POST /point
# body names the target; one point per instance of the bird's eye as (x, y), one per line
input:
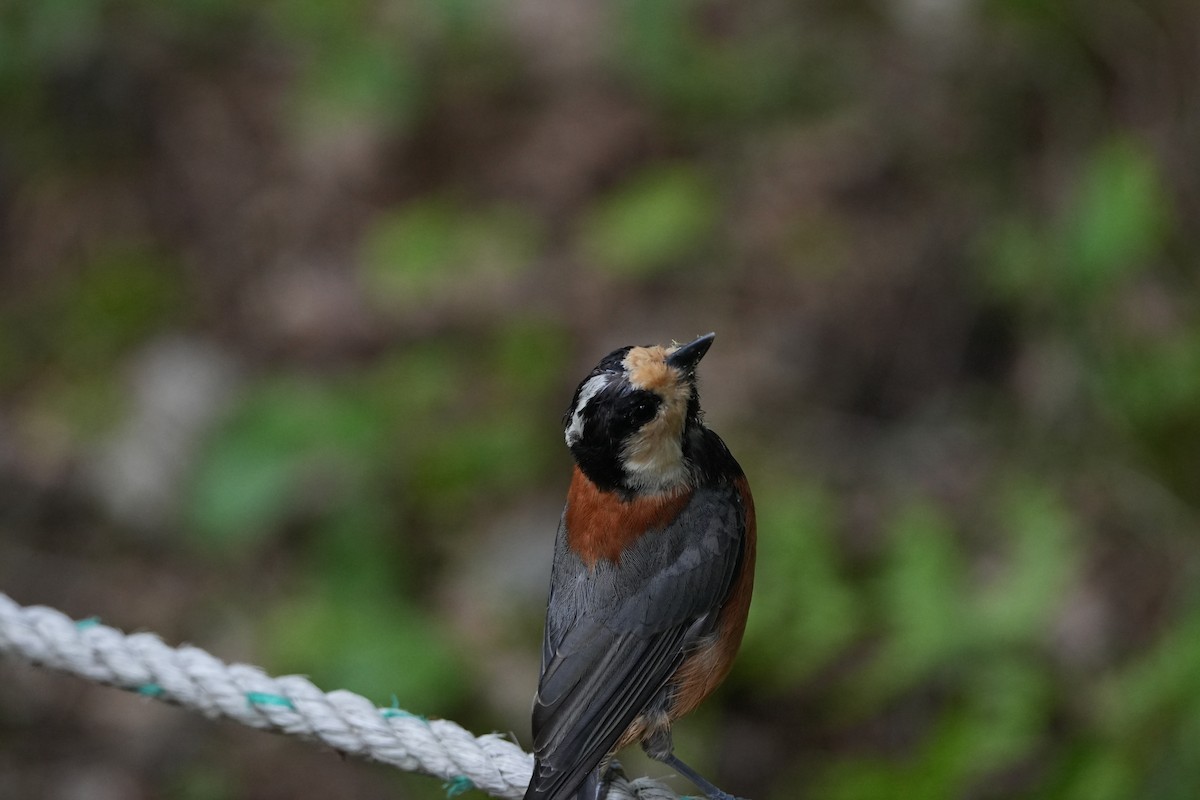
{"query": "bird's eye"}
(643, 410)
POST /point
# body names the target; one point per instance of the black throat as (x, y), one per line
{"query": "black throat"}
(602, 466)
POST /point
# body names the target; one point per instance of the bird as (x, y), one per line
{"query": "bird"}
(651, 577)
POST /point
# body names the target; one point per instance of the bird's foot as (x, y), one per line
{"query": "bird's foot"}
(710, 791)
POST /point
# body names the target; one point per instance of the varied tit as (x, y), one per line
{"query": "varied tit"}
(652, 573)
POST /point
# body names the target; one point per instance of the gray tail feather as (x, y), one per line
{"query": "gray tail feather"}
(591, 788)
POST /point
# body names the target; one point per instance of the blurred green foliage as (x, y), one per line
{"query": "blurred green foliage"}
(652, 223)
(65, 337)
(969, 224)
(811, 612)
(746, 75)
(1111, 227)
(283, 438)
(355, 463)
(427, 251)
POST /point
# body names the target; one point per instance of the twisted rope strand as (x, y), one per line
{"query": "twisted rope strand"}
(189, 677)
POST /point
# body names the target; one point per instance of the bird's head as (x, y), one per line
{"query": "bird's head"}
(630, 417)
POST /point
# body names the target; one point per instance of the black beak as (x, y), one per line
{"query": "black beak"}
(688, 356)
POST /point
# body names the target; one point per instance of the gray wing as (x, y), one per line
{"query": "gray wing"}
(615, 637)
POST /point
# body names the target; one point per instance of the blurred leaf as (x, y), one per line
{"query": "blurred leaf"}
(202, 9)
(1019, 605)
(860, 779)
(87, 404)
(463, 24)
(1113, 223)
(1019, 261)
(357, 548)
(436, 250)
(1150, 390)
(1117, 219)
(1157, 689)
(121, 294)
(1104, 774)
(473, 461)
(1175, 767)
(922, 597)
(804, 610)
(1147, 716)
(290, 445)
(1008, 703)
(80, 321)
(35, 35)
(1156, 383)
(648, 225)
(72, 331)
(1000, 719)
(364, 79)
(408, 250)
(530, 359)
(415, 386)
(314, 22)
(371, 643)
(359, 63)
(353, 627)
(212, 779)
(470, 419)
(744, 72)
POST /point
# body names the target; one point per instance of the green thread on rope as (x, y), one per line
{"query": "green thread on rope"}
(150, 690)
(397, 711)
(88, 622)
(390, 713)
(264, 699)
(458, 786)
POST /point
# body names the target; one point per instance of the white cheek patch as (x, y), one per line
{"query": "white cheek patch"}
(589, 390)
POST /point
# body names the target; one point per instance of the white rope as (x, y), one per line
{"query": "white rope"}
(191, 678)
